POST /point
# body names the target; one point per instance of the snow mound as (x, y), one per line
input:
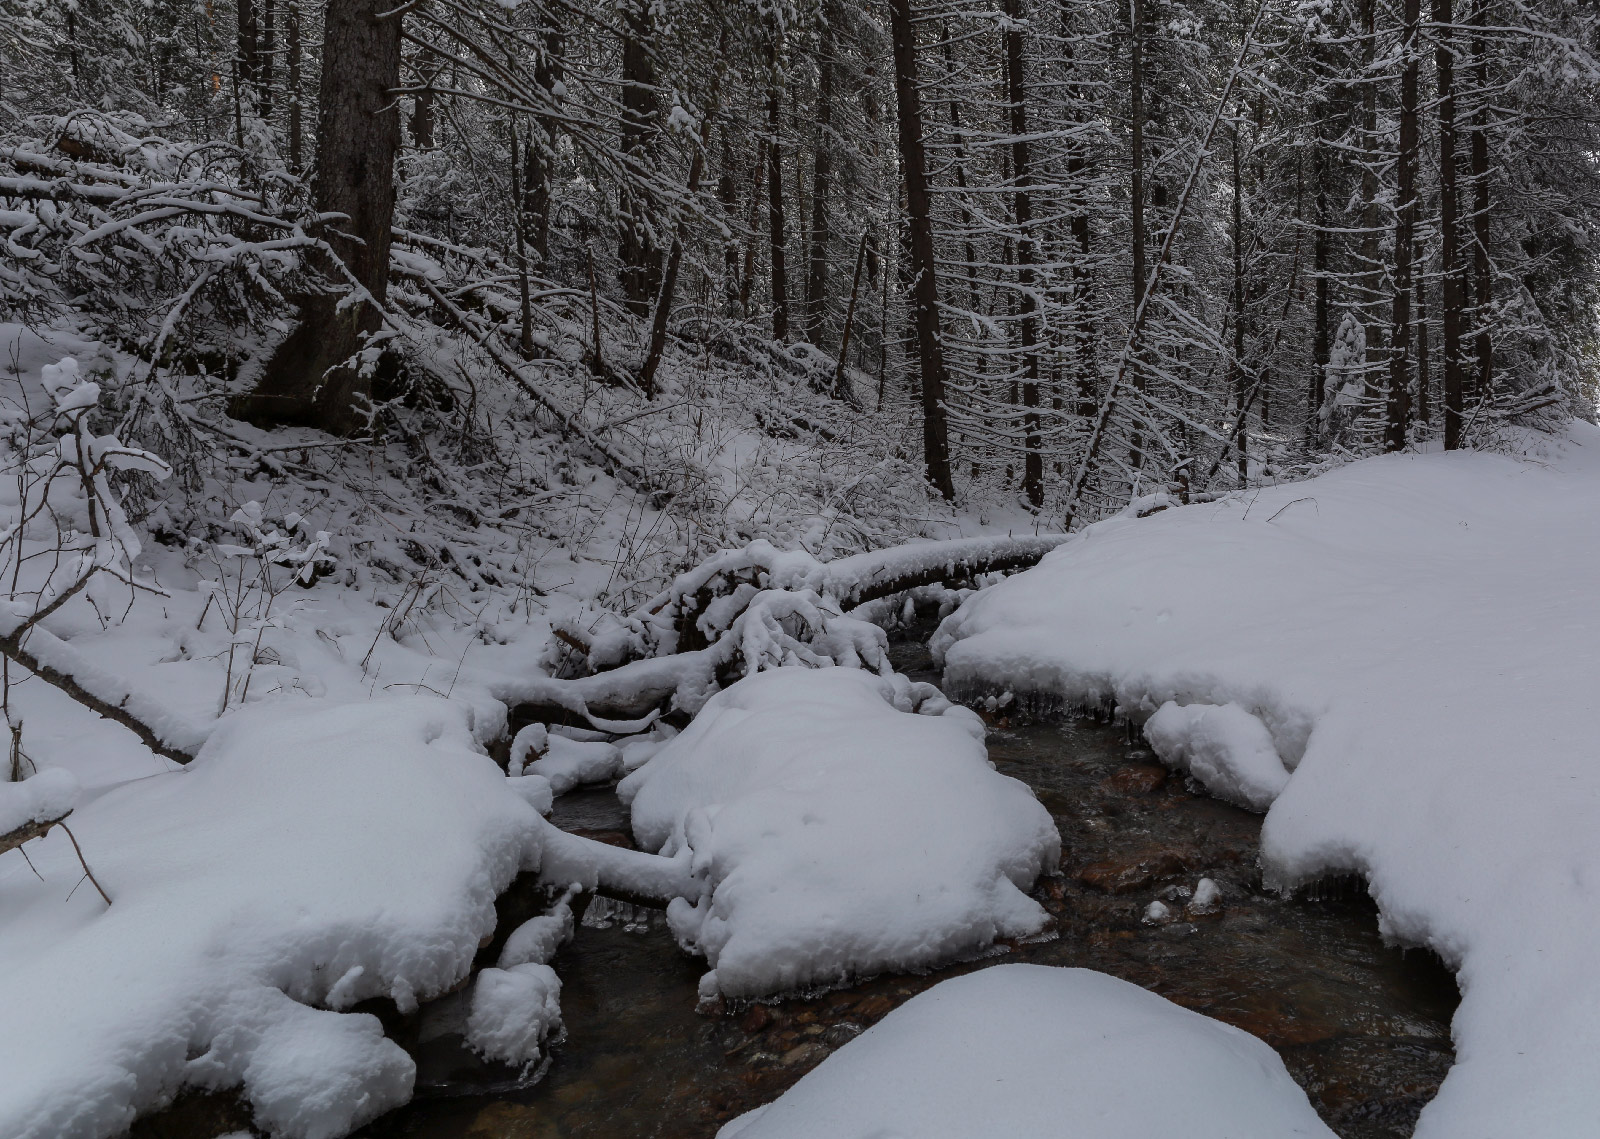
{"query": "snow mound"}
(513, 1011)
(1033, 1052)
(1224, 747)
(833, 835)
(1419, 636)
(300, 865)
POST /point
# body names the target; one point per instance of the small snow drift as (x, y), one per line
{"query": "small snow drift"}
(1419, 637)
(301, 864)
(1034, 1052)
(1224, 747)
(834, 833)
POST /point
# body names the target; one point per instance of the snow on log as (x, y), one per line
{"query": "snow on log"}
(1034, 1052)
(832, 833)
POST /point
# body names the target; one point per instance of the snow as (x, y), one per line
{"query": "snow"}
(301, 864)
(1033, 1052)
(513, 1011)
(1419, 636)
(1223, 746)
(834, 833)
(41, 798)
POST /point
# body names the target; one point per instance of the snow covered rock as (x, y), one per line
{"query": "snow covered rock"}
(1033, 1052)
(513, 1011)
(833, 835)
(1419, 636)
(301, 864)
(1224, 747)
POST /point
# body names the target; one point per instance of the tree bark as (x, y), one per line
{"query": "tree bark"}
(1452, 285)
(309, 379)
(821, 188)
(1482, 274)
(777, 237)
(1136, 196)
(296, 128)
(641, 263)
(1027, 258)
(1371, 266)
(924, 267)
(1236, 364)
(1398, 406)
(1322, 335)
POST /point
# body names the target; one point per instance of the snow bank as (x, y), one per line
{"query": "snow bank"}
(1032, 1052)
(832, 835)
(1419, 635)
(300, 865)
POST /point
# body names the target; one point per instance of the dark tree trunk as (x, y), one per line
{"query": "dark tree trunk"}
(309, 379)
(641, 264)
(1136, 196)
(1452, 284)
(1322, 335)
(821, 188)
(1371, 266)
(422, 108)
(296, 121)
(1241, 436)
(923, 266)
(247, 53)
(1481, 272)
(1022, 210)
(547, 72)
(1398, 406)
(778, 238)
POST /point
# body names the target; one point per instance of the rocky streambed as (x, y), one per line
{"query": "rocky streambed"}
(1363, 1027)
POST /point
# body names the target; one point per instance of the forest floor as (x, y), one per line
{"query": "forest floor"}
(1396, 659)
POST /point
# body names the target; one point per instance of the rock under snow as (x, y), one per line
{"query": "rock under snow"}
(1033, 1052)
(1224, 747)
(832, 835)
(1419, 635)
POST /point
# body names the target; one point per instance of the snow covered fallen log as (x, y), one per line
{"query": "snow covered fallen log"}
(832, 833)
(738, 613)
(1032, 1052)
(299, 865)
(1418, 637)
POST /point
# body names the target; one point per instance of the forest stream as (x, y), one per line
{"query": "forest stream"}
(1364, 1028)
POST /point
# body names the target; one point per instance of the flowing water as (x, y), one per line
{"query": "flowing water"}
(1363, 1027)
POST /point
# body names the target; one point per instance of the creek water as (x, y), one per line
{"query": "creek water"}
(1363, 1027)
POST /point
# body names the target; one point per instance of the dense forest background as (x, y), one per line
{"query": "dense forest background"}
(1059, 253)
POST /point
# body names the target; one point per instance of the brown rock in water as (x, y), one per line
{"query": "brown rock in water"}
(1136, 779)
(1130, 872)
(755, 1018)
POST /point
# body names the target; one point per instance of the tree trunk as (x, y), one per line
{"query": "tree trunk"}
(547, 72)
(775, 228)
(1398, 406)
(1022, 210)
(296, 127)
(641, 265)
(1371, 265)
(309, 379)
(1322, 335)
(924, 267)
(821, 188)
(1136, 196)
(1482, 274)
(1241, 436)
(1452, 285)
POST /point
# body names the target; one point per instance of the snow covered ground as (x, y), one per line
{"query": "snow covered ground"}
(1418, 639)
(345, 852)
(838, 834)
(1033, 1052)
